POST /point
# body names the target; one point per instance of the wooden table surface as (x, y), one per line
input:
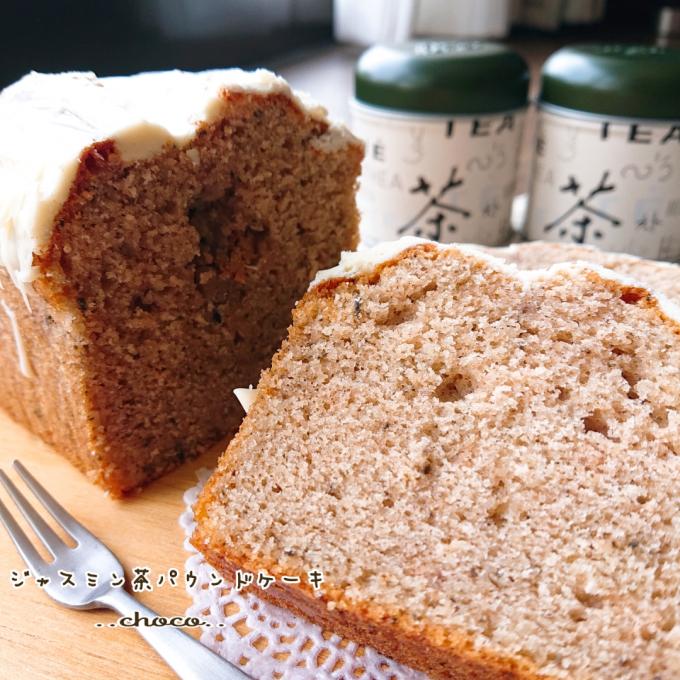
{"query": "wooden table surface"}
(38, 638)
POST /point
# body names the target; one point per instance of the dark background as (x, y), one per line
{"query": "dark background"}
(126, 36)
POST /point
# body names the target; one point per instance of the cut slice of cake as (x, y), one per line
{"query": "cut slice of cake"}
(483, 463)
(155, 232)
(663, 277)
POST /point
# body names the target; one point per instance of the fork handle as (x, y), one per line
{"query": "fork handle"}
(185, 655)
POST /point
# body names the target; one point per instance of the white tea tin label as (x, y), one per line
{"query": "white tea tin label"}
(609, 182)
(444, 178)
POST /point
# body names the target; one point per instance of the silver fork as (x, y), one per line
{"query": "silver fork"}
(186, 656)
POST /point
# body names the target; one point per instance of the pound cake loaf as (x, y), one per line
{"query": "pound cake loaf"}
(155, 232)
(660, 276)
(482, 462)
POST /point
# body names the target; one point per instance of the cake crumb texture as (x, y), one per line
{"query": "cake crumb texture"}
(484, 467)
(168, 281)
(663, 277)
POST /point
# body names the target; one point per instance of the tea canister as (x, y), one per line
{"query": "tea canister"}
(607, 164)
(442, 122)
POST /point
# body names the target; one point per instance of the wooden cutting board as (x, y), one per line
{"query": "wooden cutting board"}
(38, 638)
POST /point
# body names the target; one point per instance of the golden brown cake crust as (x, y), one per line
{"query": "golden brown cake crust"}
(434, 651)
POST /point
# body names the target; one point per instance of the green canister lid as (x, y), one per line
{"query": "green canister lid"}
(444, 77)
(632, 81)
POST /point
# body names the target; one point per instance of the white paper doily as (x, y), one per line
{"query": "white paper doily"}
(268, 642)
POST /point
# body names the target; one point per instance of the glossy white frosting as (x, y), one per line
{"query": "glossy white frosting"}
(363, 261)
(246, 396)
(49, 119)
(355, 263)
(22, 357)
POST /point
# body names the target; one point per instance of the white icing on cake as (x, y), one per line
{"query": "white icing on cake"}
(22, 357)
(49, 119)
(353, 264)
(246, 396)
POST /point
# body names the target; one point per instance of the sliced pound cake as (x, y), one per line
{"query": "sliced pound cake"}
(155, 232)
(663, 277)
(482, 462)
